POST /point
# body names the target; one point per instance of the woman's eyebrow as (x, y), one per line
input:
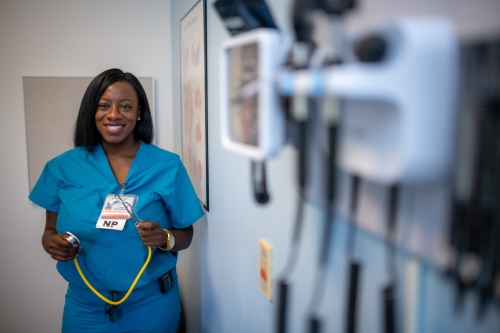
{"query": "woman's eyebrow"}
(122, 100)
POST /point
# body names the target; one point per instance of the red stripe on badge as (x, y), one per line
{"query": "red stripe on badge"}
(115, 216)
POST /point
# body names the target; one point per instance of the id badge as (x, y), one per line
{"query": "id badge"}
(114, 214)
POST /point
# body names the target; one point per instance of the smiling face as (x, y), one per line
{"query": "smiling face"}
(117, 113)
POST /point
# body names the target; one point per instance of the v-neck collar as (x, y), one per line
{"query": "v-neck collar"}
(102, 163)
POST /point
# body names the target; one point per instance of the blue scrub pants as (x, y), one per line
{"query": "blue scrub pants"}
(147, 310)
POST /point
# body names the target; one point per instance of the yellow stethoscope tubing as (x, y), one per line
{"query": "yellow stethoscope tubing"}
(98, 294)
(132, 286)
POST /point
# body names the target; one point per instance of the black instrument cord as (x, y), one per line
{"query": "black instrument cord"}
(259, 181)
(389, 291)
(298, 61)
(354, 273)
(284, 287)
(325, 251)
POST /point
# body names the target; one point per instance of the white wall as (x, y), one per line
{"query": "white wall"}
(221, 267)
(62, 38)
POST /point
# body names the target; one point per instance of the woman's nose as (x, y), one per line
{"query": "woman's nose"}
(114, 112)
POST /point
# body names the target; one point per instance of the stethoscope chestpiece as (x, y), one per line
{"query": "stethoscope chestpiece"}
(72, 239)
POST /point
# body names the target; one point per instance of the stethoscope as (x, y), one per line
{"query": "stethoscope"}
(75, 242)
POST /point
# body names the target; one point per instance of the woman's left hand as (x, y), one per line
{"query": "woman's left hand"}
(152, 234)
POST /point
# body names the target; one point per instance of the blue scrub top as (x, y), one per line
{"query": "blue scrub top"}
(75, 184)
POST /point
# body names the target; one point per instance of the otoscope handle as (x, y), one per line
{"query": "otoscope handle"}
(332, 163)
(336, 7)
(236, 16)
(314, 325)
(354, 271)
(302, 156)
(282, 307)
(389, 308)
(261, 11)
(259, 181)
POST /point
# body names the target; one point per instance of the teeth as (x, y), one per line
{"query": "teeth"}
(114, 128)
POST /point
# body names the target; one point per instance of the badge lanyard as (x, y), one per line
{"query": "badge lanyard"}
(72, 239)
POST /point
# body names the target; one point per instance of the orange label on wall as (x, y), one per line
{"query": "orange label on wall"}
(265, 268)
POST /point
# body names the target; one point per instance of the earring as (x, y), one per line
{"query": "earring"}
(138, 118)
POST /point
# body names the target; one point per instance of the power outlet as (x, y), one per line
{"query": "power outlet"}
(265, 252)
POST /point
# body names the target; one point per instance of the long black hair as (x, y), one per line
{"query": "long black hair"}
(86, 133)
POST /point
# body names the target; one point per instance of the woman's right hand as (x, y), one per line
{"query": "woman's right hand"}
(56, 244)
(60, 249)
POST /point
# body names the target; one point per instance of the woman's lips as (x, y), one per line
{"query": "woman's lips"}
(114, 128)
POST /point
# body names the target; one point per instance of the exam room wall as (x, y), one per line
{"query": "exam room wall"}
(224, 253)
(62, 38)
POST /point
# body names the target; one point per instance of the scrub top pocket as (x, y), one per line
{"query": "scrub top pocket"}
(150, 207)
(78, 205)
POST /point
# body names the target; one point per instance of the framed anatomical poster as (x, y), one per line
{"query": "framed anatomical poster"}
(193, 98)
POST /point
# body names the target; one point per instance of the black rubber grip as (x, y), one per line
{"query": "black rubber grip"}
(389, 308)
(354, 272)
(282, 307)
(354, 196)
(314, 325)
(332, 163)
(259, 181)
(303, 158)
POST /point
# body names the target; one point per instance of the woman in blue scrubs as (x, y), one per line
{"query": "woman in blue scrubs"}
(113, 155)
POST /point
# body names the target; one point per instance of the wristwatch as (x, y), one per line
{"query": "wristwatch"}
(170, 241)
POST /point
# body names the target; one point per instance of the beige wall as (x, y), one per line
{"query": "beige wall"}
(62, 38)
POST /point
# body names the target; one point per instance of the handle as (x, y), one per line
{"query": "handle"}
(282, 307)
(389, 308)
(354, 272)
(314, 325)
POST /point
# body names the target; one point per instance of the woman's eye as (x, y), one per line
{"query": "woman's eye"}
(103, 106)
(126, 106)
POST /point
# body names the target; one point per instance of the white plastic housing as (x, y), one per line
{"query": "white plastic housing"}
(400, 114)
(400, 124)
(252, 126)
